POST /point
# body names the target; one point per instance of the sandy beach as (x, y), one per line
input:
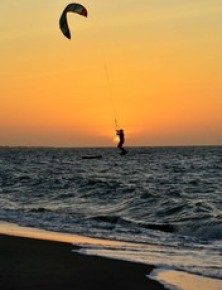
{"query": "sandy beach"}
(27, 263)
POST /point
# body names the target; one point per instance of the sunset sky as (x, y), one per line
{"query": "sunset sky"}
(153, 65)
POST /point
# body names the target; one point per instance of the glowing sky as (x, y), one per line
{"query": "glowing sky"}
(155, 66)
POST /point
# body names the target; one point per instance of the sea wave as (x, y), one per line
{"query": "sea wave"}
(158, 196)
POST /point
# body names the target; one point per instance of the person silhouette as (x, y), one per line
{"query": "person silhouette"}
(120, 134)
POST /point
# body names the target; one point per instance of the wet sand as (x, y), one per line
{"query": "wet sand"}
(27, 263)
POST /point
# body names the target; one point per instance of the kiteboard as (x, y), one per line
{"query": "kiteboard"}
(123, 152)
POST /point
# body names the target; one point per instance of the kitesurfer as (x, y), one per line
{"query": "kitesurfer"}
(120, 134)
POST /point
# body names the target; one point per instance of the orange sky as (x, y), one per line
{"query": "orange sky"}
(154, 66)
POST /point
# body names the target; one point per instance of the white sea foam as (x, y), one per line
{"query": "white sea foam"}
(179, 280)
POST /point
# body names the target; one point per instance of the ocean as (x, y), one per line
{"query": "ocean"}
(166, 201)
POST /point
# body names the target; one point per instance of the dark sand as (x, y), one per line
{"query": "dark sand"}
(37, 264)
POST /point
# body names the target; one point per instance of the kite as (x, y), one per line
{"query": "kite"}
(63, 22)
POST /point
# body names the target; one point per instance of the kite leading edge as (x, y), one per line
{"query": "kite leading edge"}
(63, 21)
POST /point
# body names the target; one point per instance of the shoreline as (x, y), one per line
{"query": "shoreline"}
(40, 263)
(27, 263)
(32, 258)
